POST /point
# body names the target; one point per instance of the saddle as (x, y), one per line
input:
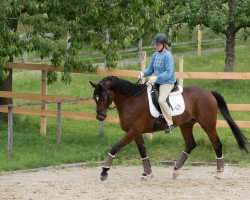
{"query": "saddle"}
(155, 95)
(175, 101)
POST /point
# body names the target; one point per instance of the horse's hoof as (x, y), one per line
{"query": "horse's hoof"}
(145, 177)
(219, 171)
(104, 178)
(220, 174)
(175, 174)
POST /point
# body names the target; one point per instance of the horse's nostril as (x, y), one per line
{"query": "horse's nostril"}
(100, 118)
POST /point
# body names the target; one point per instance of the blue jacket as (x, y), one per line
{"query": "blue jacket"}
(162, 65)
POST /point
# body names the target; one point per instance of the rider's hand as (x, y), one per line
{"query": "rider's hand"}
(152, 79)
(140, 75)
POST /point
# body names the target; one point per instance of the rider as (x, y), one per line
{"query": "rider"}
(162, 65)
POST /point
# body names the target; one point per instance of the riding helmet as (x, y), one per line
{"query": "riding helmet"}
(161, 38)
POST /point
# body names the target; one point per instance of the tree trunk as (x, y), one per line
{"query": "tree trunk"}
(6, 85)
(230, 46)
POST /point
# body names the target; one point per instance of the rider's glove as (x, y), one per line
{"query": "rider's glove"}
(151, 80)
(140, 75)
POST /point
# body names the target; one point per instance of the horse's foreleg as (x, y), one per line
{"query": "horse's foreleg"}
(124, 141)
(106, 167)
(147, 171)
(187, 133)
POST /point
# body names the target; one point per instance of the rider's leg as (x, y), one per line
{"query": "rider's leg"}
(164, 91)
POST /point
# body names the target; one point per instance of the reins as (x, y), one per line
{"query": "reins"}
(129, 98)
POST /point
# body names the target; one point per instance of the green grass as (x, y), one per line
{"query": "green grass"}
(81, 141)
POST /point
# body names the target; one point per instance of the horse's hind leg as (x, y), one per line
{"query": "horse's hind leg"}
(208, 120)
(187, 133)
(147, 171)
(217, 146)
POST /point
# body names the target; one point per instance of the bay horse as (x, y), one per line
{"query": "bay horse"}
(131, 102)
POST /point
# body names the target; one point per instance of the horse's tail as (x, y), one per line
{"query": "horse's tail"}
(240, 138)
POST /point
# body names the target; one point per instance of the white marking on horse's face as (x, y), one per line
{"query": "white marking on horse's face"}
(97, 97)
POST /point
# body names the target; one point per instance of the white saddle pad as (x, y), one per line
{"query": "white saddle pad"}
(177, 103)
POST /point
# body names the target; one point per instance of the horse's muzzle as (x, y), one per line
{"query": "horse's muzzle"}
(100, 117)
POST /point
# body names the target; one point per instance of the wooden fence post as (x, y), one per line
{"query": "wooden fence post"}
(107, 41)
(43, 106)
(199, 41)
(10, 129)
(170, 37)
(143, 67)
(139, 51)
(143, 63)
(68, 41)
(25, 57)
(181, 70)
(59, 124)
(100, 125)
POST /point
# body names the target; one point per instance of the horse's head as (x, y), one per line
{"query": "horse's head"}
(102, 99)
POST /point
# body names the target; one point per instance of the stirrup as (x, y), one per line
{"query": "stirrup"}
(169, 128)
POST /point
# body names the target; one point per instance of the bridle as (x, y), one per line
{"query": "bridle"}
(109, 99)
(107, 108)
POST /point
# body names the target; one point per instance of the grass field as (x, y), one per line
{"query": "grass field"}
(81, 141)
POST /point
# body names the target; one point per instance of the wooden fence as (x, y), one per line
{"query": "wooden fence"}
(59, 117)
(45, 99)
(44, 112)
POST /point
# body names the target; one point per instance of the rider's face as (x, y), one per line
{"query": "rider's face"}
(158, 46)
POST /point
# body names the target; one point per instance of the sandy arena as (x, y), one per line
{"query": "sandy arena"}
(78, 182)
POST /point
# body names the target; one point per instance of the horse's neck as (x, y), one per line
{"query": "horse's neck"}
(125, 101)
(120, 98)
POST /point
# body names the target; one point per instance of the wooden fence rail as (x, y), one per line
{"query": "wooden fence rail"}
(132, 73)
(10, 109)
(28, 96)
(45, 99)
(127, 73)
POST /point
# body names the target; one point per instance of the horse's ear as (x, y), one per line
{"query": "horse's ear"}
(94, 85)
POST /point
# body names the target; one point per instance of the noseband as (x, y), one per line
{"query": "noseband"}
(109, 99)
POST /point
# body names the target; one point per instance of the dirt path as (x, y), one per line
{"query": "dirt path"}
(124, 183)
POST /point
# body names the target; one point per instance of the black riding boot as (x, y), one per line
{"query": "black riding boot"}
(169, 128)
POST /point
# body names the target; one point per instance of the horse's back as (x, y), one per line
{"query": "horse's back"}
(199, 100)
(194, 92)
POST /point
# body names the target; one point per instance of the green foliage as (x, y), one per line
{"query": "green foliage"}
(215, 14)
(3, 73)
(123, 23)
(45, 23)
(226, 17)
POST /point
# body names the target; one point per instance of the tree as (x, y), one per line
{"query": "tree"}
(125, 21)
(38, 18)
(222, 16)
(84, 21)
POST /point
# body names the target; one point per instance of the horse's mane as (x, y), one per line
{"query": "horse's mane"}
(124, 86)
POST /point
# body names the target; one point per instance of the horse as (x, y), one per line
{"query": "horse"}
(131, 102)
